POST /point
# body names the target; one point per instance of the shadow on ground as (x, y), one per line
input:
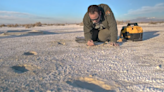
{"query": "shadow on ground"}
(149, 35)
(89, 86)
(19, 69)
(22, 33)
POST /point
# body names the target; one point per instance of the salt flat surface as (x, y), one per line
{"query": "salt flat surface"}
(57, 63)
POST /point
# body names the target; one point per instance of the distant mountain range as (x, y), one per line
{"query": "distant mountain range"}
(146, 19)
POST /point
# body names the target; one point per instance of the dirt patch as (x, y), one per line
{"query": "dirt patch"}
(91, 84)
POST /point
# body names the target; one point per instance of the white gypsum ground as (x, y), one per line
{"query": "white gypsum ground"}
(58, 64)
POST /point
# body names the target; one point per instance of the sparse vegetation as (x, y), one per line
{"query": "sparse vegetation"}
(161, 22)
(10, 25)
(16, 25)
(157, 22)
(81, 24)
(39, 24)
(27, 26)
(60, 24)
(122, 22)
(50, 24)
(152, 22)
(3, 25)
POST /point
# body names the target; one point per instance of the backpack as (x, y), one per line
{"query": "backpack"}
(129, 32)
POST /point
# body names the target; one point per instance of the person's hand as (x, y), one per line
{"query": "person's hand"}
(114, 44)
(90, 43)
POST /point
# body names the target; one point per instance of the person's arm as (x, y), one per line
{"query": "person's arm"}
(112, 24)
(87, 28)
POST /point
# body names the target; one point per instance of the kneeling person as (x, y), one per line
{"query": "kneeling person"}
(100, 25)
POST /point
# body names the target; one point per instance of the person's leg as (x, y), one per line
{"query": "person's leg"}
(94, 33)
(104, 35)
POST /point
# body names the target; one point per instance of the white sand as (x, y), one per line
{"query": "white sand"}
(59, 64)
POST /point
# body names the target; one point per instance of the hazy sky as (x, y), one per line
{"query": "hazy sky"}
(72, 11)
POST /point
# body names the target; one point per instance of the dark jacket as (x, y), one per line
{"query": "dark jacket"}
(108, 20)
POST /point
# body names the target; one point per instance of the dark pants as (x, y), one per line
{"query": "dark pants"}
(100, 35)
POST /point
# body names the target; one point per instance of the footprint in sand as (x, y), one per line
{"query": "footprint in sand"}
(24, 68)
(30, 53)
(91, 84)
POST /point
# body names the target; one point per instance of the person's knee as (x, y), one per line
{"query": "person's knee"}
(104, 35)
